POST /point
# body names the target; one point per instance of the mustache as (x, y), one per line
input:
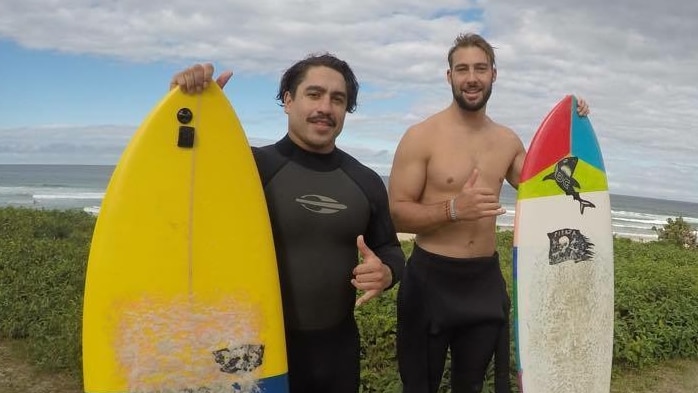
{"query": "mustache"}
(324, 118)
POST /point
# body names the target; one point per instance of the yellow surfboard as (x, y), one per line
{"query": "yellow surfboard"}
(182, 289)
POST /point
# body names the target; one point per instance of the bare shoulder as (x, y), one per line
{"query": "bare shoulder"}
(507, 136)
(419, 136)
(425, 127)
(504, 131)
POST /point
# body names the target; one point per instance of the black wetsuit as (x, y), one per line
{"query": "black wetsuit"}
(455, 303)
(318, 204)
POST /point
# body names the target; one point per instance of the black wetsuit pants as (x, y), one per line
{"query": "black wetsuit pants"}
(461, 304)
(324, 361)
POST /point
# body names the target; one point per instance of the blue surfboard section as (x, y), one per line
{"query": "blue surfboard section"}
(516, 314)
(275, 384)
(584, 142)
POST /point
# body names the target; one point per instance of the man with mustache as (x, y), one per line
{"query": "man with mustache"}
(444, 187)
(323, 205)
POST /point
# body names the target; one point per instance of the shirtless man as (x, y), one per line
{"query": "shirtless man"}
(444, 186)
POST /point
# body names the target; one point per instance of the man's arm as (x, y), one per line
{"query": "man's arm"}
(380, 236)
(408, 178)
(514, 172)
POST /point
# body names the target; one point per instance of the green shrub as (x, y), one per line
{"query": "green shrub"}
(376, 320)
(656, 303)
(678, 232)
(43, 255)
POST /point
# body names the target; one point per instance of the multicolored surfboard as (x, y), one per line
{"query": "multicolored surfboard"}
(182, 291)
(563, 260)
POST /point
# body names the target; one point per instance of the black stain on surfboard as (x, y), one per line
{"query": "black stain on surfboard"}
(569, 245)
(242, 359)
(563, 176)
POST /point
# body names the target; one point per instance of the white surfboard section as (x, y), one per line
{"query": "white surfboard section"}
(565, 303)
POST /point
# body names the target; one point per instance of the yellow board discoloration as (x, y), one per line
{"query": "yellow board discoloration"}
(165, 345)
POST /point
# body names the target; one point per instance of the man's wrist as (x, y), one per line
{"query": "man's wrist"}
(450, 206)
(389, 282)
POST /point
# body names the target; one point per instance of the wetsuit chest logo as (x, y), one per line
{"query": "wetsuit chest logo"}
(320, 204)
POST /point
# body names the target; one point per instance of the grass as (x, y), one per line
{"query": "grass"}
(18, 375)
(672, 376)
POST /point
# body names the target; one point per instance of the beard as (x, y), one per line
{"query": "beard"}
(472, 107)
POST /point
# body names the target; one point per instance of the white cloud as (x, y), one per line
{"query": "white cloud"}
(63, 144)
(635, 61)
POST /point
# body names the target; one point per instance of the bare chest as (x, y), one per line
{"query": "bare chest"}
(451, 164)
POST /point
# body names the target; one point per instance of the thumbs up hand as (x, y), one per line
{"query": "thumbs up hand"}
(370, 275)
(473, 203)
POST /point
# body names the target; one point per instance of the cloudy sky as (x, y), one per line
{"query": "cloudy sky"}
(78, 76)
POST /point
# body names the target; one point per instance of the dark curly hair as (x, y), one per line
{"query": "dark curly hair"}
(296, 73)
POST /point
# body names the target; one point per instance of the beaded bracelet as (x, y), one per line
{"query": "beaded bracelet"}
(451, 210)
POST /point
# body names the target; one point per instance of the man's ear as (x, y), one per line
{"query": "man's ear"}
(287, 101)
(494, 74)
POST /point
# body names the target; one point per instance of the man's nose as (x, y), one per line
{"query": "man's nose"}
(470, 75)
(324, 104)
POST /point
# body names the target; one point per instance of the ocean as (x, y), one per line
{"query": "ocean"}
(82, 187)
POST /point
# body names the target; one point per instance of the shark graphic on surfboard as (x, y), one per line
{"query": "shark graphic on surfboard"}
(563, 176)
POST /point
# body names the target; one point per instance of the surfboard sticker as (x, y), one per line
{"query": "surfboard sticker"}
(563, 260)
(563, 175)
(569, 245)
